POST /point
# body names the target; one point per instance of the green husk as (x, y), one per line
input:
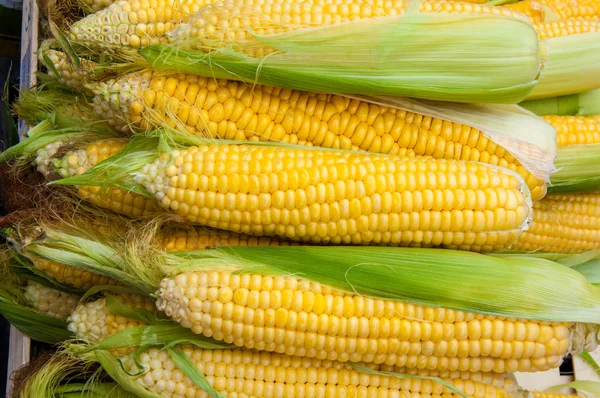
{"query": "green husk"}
(439, 56)
(88, 255)
(586, 263)
(166, 333)
(99, 390)
(116, 307)
(592, 387)
(44, 134)
(576, 169)
(572, 67)
(30, 322)
(583, 104)
(587, 357)
(36, 105)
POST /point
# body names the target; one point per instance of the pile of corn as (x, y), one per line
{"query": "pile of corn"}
(326, 198)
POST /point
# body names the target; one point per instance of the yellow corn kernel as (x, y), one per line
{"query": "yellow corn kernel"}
(200, 239)
(563, 224)
(93, 321)
(50, 302)
(544, 10)
(259, 374)
(71, 276)
(230, 23)
(298, 317)
(567, 27)
(75, 78)
(575, 130)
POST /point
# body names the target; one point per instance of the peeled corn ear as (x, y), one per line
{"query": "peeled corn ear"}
(297, 317)
(76, 162)
(325, 196)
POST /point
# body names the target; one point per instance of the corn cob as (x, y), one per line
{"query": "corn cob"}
(50, 302)
(563, 224)
(75, 78)
(338, 197)
(297, 317)
(248, 373)
(575, 130)
(230, 22)
(538, 11)
(574, 26)
(235, 111)
(93, 321)
(200, 239)
(70, 276)
(542, 394)
(78, 161)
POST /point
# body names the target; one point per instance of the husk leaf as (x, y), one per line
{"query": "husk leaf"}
(33, 324)
(583, 104)
(572, 67)
(439, 56)
(576, 169)
(592, 387)
(163, 334)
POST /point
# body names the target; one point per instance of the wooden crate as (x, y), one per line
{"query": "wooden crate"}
(19, 344)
